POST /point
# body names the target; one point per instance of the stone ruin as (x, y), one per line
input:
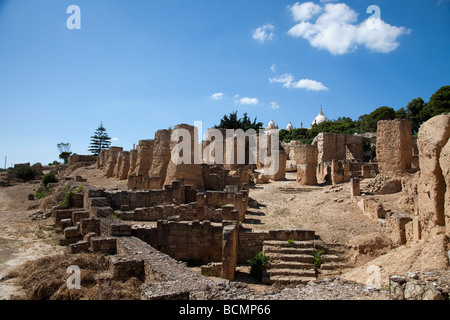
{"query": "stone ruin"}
(332, 158)
(192, 213)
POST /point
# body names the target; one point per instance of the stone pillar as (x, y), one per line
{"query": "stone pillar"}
(133, 159)
(161, 159)
(144, 157)
(394, 147)
(113, 153)
(366, 171)
(432, 140)
(229, 251)
(305, 157)
(191, 171)
(125, 166)
(355, 188)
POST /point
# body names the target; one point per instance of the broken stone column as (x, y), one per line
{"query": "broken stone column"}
(144, 157)
(124, 166)
(189, 167)
(355, 187)
(113, 153)
(432, 140)
(229, 251)
(118, 164)
(161, 159)
(306, 158)
(394, 147)
(133, 159)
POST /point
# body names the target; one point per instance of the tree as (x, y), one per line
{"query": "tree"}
(369, 123)
(413, 113)
(64, 151)
(439, 103)
(231, 121)
(99, 141)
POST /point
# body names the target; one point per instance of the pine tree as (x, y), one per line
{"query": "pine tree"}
(99, 141)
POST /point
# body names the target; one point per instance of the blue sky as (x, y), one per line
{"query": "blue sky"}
(143, 65)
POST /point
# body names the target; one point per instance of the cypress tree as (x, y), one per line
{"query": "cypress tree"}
(99, 141)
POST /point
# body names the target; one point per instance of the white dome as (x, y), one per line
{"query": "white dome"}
(271, 125)
(290, 127)
(320, 118)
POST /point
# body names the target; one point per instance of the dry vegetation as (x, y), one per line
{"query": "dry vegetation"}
(45, 279)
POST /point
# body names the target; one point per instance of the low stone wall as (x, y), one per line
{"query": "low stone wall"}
(432, 285)
(196, 242)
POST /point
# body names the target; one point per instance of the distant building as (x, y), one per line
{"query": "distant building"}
(271, 127)
(320, 118)
(290, 127)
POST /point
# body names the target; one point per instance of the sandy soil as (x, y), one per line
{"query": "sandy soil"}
(21, 238)
(328, 210)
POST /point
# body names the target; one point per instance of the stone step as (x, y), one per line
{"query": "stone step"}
(285, 280)
(295, 244)
(334, 266)
(291, 257)
(272, 272)
(330, 258)
(290, 265)
(287, 250)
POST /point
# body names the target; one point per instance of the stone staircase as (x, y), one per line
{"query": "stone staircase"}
(334, 260)
(291, 263)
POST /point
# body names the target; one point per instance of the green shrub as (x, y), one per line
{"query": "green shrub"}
(25, 173)
(318, 260)
(67, 203)
(79, 189)
(48, 178)
(290, 241)
(257, 265)
(39, 195)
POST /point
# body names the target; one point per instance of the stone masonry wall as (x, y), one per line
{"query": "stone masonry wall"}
(394, 147)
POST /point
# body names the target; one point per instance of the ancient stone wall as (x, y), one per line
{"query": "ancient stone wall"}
(433, 190)
(72, 160)
(161, 159)
(334, 146)
(394, 147)
(192, 170)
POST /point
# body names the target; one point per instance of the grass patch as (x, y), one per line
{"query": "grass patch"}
(79, 189)
(290, 241)
(40, 195)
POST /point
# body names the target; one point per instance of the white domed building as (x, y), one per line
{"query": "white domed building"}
(290, 127)
(320, 118)
(271, 127)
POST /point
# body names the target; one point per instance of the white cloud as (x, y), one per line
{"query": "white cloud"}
(310, 85)
(264, 33)
(114, 139)
(217, 96)
(285, 79)
(247, 101)
(274, 105)
(288, 82)
(273, 68)
(305, 11)
(337, 31)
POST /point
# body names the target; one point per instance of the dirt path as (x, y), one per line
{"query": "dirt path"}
(21, 238)
(328, 210)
